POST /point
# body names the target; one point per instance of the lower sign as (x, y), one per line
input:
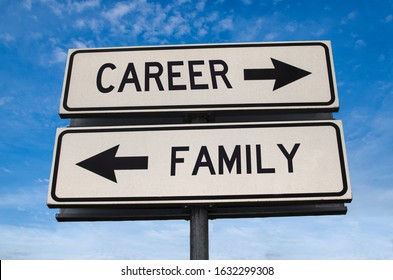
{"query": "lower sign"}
(194, 164)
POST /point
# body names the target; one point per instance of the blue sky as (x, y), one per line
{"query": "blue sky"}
(34, 38)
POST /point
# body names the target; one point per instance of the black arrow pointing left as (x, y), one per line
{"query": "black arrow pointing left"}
(105, 163)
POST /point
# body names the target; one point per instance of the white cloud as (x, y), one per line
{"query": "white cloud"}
(36, 35)
(360, 43)
(114, 240)
(4, 169)
(4, 100)
(80, 23)
(79, 6)
(350, 17)
(39, 236)
(6, 37)
(202, 32)
(200, 6)
(176, 25)
(291, 27)
(369, 136)
(54, 54)
(29, 197)
(271, 36)
(252, 33)
(27, 4)
(78, 44)
(212, 17)
(57, 8)
(93, 24)
(224, 25)
(60, 8)
(156, 22)
(388, 18)
(320, 31)
(329, 237)
(58, 56)
(120, 10)
(318, 237)
(42, 181)
(247, 2)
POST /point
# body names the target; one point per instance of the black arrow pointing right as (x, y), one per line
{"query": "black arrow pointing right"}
(282, 72)
(105, 163)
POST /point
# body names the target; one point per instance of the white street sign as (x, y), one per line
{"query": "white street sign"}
(197, 78)
(184, 164)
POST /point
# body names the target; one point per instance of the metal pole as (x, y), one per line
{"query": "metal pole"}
(199, 221)
(199, 234)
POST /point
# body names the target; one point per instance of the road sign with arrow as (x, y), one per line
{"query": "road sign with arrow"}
(197, 78)
(186, 164)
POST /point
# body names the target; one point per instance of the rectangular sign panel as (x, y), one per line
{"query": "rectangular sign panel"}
(228, 164)
(197, 78)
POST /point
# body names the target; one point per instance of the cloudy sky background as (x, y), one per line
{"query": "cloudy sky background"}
(34, 38)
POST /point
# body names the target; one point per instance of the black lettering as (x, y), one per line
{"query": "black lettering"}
(215, 73)
(203, 153)
(175, 159)
(223, 157)
(260, 169)
(100, 87)
(248, 159)
(290, 155)
(127, 80)
(194, 74)
(155, 75)
(172, 75)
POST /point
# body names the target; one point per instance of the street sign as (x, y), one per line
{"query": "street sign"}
(200, 78)
(226, 164)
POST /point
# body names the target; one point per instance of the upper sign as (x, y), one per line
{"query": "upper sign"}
(183, 164)
(197, 78)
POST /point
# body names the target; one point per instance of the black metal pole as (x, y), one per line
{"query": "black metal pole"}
(199, 221)
(199, 234)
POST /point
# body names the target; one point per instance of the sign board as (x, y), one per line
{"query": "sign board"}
(226, 164)
(198, 78)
